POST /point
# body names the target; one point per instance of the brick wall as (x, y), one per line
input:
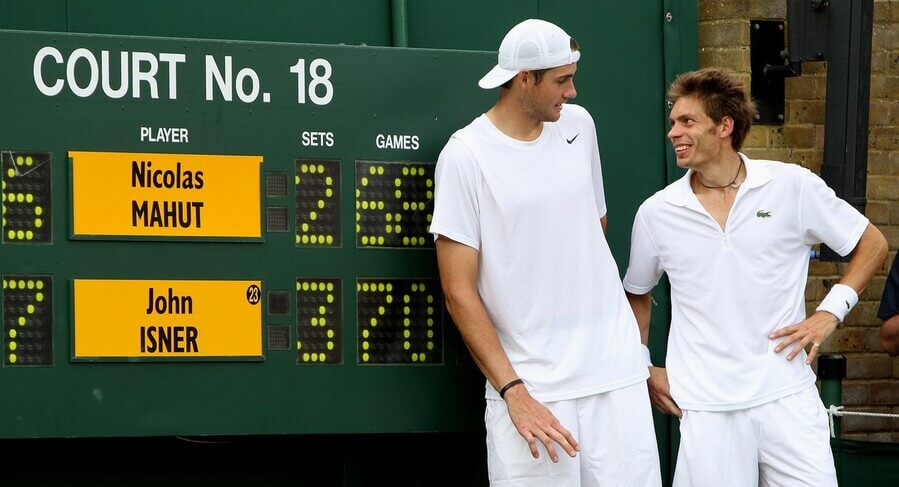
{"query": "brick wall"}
(872, 382)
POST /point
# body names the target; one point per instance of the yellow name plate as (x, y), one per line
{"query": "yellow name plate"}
(124, 194)
(156, 318)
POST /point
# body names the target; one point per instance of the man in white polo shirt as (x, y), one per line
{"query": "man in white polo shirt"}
(530, 282)
(734, 235)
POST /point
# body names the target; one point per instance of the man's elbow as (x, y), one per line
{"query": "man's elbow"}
(878, 245)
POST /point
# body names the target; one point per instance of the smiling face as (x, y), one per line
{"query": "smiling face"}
(696, 138)
(543, 101)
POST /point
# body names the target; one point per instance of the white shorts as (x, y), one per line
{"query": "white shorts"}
(781, 443)
(615, 433)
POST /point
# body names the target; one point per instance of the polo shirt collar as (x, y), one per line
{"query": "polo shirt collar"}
(680, 193)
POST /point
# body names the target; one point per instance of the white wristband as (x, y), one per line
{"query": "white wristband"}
(839, 301)
(646, 358)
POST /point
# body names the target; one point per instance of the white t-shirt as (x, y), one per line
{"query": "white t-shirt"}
(546, 275)
(730, 289)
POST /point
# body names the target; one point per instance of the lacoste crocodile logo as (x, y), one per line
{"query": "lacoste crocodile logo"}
(572, 139)
(763, 214)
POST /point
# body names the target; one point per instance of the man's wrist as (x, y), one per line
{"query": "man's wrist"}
(839, 301)
(509, 386)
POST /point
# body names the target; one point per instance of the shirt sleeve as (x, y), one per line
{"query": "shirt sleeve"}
(889, 303)
(456, 208)
(825, 218)
(645, 266)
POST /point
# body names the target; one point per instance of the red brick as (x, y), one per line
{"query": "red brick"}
(884, 36)
(882, 162)
(878, 212)
(722, 9)
(884, 393)
(757, 137)
(880, 113)
(883, 187)
(884, 86)
(884, 62)
(869, 366)
(724, 34)
(872, 342)
(734, 59)
(855, 394)
(822, 268)
(808, 158)
(766, 9)
(846, 340)
(800, 136)
(801, 88)
(805, 111)
(882, 11)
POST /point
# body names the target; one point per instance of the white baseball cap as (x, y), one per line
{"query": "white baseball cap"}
(533, 44)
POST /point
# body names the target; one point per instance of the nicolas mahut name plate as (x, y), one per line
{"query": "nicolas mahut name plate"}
(120, 194)
(186, 319)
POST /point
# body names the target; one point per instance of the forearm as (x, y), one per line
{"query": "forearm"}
(470, 316)
(641, 304)
(889, 335)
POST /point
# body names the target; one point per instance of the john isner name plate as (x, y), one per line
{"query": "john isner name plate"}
(117, 319)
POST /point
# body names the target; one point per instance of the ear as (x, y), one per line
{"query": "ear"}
(726, 127)
(522, 77)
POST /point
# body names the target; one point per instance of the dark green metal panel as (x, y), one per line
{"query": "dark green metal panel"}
(465, 24)
(49, 15)
(352, 22)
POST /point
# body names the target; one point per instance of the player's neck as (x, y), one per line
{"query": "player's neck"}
(511, 120)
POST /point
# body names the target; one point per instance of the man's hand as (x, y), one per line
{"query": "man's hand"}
(534, 421)
(813, 330)
(660, 392)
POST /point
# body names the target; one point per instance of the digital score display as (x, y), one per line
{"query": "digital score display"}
(26, 196)
(399, 321)
(27, 320)
(318, 321)
(394, 203)
(318, 203)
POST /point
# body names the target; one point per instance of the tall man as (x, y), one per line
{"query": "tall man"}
(733, 235)
(530, 282)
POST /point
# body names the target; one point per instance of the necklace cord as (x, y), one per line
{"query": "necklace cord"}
(732, 183)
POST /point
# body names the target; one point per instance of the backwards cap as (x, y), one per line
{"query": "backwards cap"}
(533, 44)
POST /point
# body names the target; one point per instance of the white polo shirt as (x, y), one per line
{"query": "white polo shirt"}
(730, 289)
(546, 275)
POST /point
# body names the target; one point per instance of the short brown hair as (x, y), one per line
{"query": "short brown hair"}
(538, 73)
(722, 94)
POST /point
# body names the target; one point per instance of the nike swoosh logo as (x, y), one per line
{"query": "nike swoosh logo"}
(572, 139)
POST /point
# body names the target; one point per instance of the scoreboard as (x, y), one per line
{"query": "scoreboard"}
(220, 238)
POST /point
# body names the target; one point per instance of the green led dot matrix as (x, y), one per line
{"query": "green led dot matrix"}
(318, 203)
(27, 320)
(26, 196)
(399, 321)
(318, 321)
(394, 203)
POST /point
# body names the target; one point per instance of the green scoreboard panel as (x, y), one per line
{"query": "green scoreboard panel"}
(226, 238)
